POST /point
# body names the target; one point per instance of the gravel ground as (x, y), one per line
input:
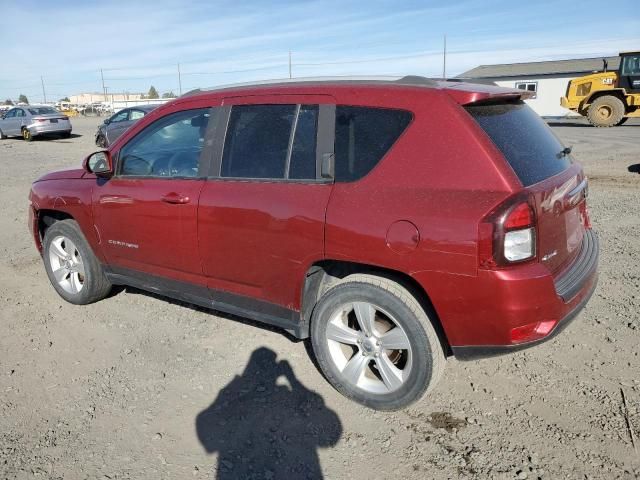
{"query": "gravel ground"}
(139, 387)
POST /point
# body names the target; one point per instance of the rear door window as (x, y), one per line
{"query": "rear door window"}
(525, 140)
(363, 136)
(271, 142)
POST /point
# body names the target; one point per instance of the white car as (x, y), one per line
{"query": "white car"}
(28, 121)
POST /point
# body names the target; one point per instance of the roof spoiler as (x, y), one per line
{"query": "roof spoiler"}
(467, 93)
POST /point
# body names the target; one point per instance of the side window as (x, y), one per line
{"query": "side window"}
(169, 147)
(136, 114)
(302, 163)
(631, 66)
(257, 141)
(363, 136)
(529, 86)
(20, 113)
(11, 113)
(120, 116)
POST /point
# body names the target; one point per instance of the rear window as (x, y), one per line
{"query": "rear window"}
(363, 136)
(530, 147)
(42, 111)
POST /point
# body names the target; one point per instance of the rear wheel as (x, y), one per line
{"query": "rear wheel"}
(374, 342)
(27, 135)
(73, 269)
(605, 111)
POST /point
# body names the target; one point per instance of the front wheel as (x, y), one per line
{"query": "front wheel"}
(73, 269)
(375, 344)
(27, 135)
(605, 111)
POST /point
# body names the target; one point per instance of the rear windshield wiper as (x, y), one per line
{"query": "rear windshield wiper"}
(564, 152)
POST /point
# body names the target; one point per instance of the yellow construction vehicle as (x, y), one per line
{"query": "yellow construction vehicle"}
(607, 98)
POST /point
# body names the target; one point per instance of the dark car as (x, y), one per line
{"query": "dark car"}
(394, 223)
(116, 124)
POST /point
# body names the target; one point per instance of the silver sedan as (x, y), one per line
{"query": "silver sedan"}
(28, 121)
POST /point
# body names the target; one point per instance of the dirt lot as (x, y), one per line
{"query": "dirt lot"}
(138, 387)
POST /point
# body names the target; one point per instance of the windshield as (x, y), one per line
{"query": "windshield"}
(42, 110)
(525, 140)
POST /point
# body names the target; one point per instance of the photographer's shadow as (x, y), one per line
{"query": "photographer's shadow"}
(262, 428)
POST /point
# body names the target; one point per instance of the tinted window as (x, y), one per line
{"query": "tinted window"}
(363, 136)
(303, 152)
(257, 141)
(529, 146)
(169, 147)
(42, 111)
(631, 65)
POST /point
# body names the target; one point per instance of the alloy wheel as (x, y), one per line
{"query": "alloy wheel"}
(369, 347)
(66, 264)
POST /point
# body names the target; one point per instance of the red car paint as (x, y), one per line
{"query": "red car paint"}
(418, 212)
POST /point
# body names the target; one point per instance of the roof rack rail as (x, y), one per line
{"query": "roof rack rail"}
(406, 80)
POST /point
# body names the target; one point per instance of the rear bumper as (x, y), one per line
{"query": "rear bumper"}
(479, 322)
(41, 129)
(476, 352)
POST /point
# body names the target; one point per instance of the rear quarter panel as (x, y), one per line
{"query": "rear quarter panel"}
(442, 176)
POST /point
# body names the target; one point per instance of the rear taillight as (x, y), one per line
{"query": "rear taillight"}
(508, 234)
(40, 120)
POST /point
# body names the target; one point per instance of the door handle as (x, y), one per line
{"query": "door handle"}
(175, 198)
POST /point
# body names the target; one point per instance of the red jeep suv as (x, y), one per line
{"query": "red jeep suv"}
(394, 222)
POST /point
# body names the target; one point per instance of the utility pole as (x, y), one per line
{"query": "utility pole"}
(290, 76)
(104, 90)
(43, 92)
(179, 80)
(444, 58)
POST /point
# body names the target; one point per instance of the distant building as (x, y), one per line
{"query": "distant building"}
(548, 80)
(86, 98)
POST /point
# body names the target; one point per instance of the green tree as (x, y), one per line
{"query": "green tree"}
(23, 99)
(65, 99)
(8, 102)
(168, 95)
(153, 93)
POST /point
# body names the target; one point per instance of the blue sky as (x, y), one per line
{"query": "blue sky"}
(140, 43)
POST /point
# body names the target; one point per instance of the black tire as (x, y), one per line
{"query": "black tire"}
(428, 359)
(605, 111)
(623, 121)
(27, 136)
(2, 135)
(66, 135)
(95, 285)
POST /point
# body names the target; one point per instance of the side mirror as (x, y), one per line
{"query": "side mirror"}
(106, 121)
(99, 163)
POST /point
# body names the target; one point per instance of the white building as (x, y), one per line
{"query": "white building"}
(548, 80)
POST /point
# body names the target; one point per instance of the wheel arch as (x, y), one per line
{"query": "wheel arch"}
(47, 217)
(322, 275)
(619, 93)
